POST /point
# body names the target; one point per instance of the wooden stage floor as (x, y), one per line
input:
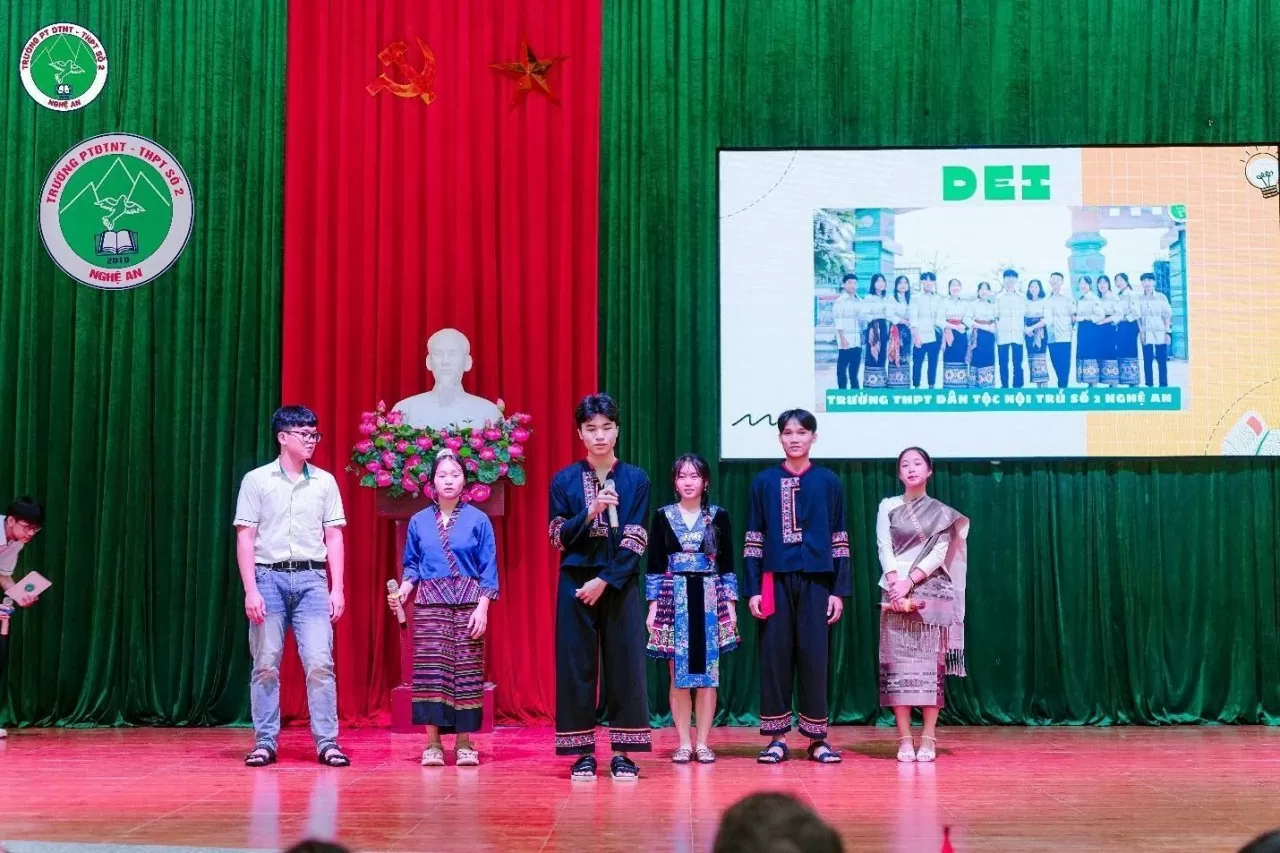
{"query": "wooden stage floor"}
(1015, 789)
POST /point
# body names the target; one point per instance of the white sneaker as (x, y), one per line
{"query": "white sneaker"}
(906, 750)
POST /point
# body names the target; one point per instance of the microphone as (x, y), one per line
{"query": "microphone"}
(613, 510)
(394, 589)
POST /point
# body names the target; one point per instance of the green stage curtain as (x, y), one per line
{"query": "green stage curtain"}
(134, 413)
(1099, 591)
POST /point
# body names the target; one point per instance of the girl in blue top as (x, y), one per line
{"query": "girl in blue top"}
(451, 559)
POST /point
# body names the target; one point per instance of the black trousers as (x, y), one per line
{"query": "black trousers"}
(613, 630)
(1159, 354)
(847, 364)
(925, 352)
(794, 642)
(1060, 356)
(1005, 350)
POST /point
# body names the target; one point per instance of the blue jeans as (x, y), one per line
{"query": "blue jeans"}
(299, 600)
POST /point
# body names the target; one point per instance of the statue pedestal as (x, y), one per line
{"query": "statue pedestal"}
(400, 510)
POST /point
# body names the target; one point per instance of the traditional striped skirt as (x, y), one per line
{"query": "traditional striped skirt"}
(1087, 346)
(1037, 353)
(982, 358)
(875, 354)
(955, 359)
(900, 353)
(448, 669)
(1127, 353)
(913, 653)
(1105, 336)
(693, 628)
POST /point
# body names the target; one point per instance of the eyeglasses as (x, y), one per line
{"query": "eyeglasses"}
(308, 437)
(28, 527)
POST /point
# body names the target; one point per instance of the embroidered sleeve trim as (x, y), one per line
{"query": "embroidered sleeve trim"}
(634, 538)
(840, 546)
(753, 546)
(554, 532)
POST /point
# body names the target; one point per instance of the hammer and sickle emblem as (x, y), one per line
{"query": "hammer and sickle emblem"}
(420, 82)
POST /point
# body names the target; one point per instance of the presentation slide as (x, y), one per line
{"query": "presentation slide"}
(1002, 303)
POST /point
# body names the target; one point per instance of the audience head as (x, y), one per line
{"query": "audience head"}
(774, 823)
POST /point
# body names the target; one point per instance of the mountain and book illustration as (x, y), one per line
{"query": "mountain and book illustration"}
(67, 60)
(107, 215)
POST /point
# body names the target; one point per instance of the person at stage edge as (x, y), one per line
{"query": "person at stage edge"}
(451, 557)
(289, 522)
(693, 598)
(598, 507)
(921, 543)
(796, 556)
(20, 524)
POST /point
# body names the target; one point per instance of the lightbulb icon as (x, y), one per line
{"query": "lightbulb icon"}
(1261, 171)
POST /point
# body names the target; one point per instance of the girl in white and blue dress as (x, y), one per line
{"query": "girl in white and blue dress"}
(1108, 333)
(1127, 332)
(693, 593)
(1089, 314)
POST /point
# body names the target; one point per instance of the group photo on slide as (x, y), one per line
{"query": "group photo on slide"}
(701, 427)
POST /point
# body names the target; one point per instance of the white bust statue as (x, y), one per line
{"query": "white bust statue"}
(447, 404)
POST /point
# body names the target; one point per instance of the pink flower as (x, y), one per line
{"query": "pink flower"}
(402, 446)
(367, 428)
(422, 478)
(453, 443)
(493, 434)
(479, 492)
(364, 446)
(501, 404)
(383, 480)
(367, 417)
(382, 405)
(408, 484)
(395, 418)
(423, 442)
(472, 465)
(388, 459)
(523, 419)
(444, 433)
(520, 435)
(515, 451)
(373, 467)
(502, 469)
(476, 442)
(488, 455)
(413, 461)
(429, 491)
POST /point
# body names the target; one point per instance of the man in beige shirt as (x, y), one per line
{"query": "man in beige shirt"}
(289, 522)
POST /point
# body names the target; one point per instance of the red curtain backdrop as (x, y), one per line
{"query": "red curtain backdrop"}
(403, 217)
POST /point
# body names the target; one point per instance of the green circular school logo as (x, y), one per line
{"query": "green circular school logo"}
(115, 211)
(64, 67)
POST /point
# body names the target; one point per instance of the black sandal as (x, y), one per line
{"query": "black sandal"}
(830, 756)
(584, 769)
(260, 756)
(623, 769)
(331, 756)
(775, 753)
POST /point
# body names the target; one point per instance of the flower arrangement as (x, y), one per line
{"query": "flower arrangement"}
(398, 457)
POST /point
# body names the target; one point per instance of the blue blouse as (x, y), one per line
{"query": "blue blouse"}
(471, 542)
